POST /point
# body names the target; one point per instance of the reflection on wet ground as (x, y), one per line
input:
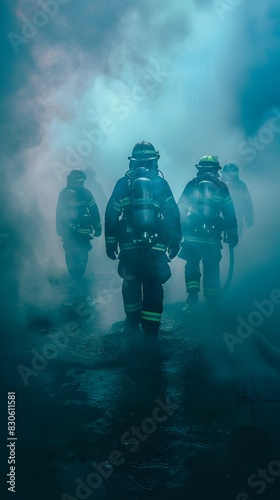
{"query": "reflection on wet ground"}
(109, 414)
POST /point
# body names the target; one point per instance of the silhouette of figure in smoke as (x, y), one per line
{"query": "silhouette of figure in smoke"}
(96, 190)
(77, 216)
(240, 195)
(203, 201)
(143, 221)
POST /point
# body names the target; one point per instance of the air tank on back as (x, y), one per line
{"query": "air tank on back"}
(143, 206)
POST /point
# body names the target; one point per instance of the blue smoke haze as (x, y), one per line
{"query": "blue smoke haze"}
(91, 80)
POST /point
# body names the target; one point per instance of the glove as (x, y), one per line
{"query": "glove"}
(233, 241)
(112, 251)
(173, 250)
(97, 232)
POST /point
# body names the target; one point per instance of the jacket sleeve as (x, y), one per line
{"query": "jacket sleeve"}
(112, 215)
(94, 212)
(171, 223)
(228, 212)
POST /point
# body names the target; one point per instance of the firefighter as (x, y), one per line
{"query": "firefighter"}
(240, 196)
(142, 220)
(77, 216)
(207, 211)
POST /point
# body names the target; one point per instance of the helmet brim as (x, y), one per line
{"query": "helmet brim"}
(150, 158)
(211, 165)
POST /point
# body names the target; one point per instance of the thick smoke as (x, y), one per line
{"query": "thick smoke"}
(95, 78)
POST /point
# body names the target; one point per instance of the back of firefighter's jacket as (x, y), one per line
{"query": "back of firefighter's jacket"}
(119, 216)
(206, 209)
(76, 211)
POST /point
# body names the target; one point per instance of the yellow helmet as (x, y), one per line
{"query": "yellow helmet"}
(208, 161)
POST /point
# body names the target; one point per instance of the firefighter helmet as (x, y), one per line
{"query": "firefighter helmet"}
(231, 168)
(144, 151)
(76, 176)
(90, 173)
(208, 161)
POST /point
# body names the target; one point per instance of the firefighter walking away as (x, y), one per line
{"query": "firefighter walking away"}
(142, 229)
(240, 196)
(77, 218)
(207, 211)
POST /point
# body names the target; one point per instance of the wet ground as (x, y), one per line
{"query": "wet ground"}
(103, 413)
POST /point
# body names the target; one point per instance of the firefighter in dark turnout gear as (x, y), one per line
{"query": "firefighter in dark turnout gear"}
(77, 216)
(207, 211)
(240, 196)
(142, 220)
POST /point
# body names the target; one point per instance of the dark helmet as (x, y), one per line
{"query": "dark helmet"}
(208, 162)
(144, 152)
(76, 176)
(231, 169)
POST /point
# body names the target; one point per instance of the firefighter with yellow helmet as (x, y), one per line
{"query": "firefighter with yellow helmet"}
(142, 222)
(207, 211)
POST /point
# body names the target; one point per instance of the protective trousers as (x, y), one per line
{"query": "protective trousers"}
(210, 255)
(143, 272)
(76, 248)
